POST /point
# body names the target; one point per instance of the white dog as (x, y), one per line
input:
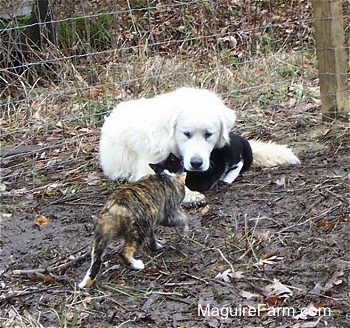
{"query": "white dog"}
(187, 122)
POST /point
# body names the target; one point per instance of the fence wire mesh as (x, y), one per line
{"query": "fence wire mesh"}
(66, 63)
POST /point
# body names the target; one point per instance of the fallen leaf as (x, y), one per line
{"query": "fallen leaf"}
(37, 276)
(230, 40)
(273, 300)
(2, 186)
(94, 93)
(270, 259)
(309, 324)
(317, 289)
(282, 182)
(41, 220)
(334, 280)
(328, 293)
(249, 295)
(307, 312)
(77, 178)
(324, 305)
(227, 275)
(5, 216)
(93, 179)
(278, 289)
(50, 192)
(53, 189)
(265, 236)
(324, 224)
(267, 255)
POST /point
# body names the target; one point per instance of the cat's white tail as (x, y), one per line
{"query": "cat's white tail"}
(268, 154)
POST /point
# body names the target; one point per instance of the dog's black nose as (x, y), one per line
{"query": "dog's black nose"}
(196, 162)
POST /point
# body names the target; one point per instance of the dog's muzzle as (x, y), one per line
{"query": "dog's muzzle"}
(196, 163)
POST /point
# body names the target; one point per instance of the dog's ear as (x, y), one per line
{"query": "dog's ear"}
(174, 118)
(227, 120)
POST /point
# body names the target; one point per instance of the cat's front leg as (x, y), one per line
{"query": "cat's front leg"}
(182, 228)
(177, 219)
(154, 245)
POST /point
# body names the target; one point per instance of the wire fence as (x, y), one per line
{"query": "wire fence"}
(64, 64)
(89, 49)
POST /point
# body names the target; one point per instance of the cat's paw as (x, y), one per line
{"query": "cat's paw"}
(137, 265)
(183, 229)
(86, 282)
(157, 246)
(194, 198)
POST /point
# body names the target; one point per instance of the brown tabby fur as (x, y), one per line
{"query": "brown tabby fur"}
(132, 212)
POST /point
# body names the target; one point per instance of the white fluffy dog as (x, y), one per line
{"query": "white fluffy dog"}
(187, 122)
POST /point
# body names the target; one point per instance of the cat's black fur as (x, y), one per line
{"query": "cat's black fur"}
(235, 156)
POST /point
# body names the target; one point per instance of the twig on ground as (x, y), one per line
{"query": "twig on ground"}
(13, 294)
(59, 268)
(196, 278)
(177, 299)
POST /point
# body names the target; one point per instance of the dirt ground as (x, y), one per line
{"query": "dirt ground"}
(271, 250)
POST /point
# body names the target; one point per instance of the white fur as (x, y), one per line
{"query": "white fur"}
(137, 265)
(233, 174)
(159, 246)
(193, 197)
(86, 282)
(268, 154)
(188, 122)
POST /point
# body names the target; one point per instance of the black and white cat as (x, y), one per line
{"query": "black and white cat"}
(226, 164)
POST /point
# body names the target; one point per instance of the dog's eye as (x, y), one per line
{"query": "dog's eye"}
(207, 135)
(188, 134)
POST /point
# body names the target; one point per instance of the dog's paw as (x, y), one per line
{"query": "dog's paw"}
(193, 199)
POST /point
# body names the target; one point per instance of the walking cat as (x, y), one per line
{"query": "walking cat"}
(133, 211)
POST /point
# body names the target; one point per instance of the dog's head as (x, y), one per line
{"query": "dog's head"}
(199, 130)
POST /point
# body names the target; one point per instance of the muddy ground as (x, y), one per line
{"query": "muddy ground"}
(272, 249)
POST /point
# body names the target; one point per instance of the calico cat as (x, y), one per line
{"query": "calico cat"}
(132, 213)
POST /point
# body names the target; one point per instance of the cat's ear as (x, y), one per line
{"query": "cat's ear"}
(173, 158)
(174, 164)
(182, 177)
(157, 168)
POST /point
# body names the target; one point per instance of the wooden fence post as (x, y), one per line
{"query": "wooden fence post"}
(332, 59)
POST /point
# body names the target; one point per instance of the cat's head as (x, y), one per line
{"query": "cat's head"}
(171, 166)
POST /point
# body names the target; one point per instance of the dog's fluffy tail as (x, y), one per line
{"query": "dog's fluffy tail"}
(268, 154)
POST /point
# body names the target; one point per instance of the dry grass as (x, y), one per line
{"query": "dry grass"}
(275, 79)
